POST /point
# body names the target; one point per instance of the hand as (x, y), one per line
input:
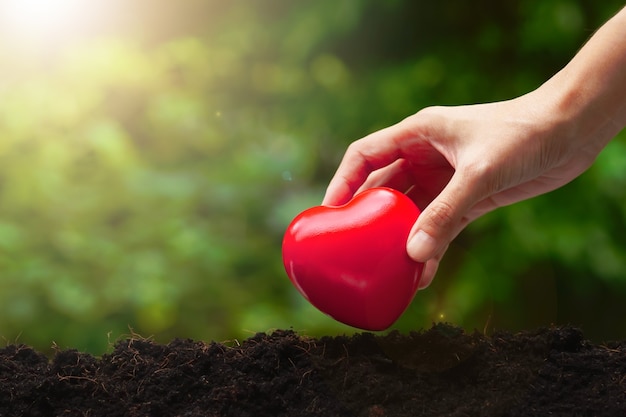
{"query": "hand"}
(458, 163)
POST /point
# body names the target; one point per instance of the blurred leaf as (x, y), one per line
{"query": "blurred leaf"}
(149, 166)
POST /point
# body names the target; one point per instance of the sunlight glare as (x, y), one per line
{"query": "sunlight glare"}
(41, 19)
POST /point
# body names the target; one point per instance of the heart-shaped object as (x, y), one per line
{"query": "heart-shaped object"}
(351, 262)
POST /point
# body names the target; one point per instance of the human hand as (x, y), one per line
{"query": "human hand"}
(458, 163)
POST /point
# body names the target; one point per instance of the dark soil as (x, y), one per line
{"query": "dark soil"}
(439, 372)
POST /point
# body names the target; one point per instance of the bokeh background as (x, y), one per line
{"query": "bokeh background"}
(152, 153)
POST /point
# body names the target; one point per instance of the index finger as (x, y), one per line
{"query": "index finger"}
(363, 157)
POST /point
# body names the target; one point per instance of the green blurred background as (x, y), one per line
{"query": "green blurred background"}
(153, 152)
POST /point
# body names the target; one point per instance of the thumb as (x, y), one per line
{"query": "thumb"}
(441, 221)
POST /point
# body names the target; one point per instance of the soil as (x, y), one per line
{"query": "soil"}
(439, 372)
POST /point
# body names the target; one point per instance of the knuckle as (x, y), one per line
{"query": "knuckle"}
(441, 215)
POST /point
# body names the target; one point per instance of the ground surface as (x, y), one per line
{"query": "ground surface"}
(439, 372)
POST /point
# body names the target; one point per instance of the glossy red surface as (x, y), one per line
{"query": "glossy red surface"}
(351, 262)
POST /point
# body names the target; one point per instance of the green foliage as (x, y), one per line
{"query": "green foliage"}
(146, 177)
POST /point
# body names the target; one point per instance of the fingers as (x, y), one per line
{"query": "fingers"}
(442, 219)
(430, 269)
(363, 157)
(396, 176)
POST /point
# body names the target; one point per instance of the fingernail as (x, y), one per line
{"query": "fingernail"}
(422, 246)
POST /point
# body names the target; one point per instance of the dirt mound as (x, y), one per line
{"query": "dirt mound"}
(439, 372)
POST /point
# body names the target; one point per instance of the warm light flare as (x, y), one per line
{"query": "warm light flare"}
(44, 20)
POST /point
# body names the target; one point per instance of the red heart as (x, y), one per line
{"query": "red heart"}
(351, 261)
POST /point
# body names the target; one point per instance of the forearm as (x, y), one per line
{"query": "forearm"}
(591, 89)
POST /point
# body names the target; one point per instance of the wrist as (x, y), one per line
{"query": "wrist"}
(589, 93)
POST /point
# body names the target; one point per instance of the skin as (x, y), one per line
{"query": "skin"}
(458, 163)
